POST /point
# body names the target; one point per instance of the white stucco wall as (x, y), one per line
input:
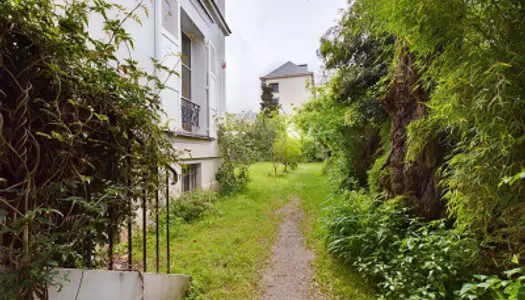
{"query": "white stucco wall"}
(112, 285)
(206, 179)
(293, 92)
(151, 40)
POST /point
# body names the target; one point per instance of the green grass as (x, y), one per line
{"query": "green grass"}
(228, 249)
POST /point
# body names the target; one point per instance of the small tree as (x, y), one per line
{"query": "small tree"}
(287, 151)
(264, 132)
(269, 104)
(238, 151)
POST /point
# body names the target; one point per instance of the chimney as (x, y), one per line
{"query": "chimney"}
(303, 66)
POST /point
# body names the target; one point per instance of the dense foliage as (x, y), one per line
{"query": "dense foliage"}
(493, 287)
(346, 116)
(404, 257)
(471, 57)
(80, 134)
(423, 102)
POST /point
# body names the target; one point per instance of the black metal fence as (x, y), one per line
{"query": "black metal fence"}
(170, 173)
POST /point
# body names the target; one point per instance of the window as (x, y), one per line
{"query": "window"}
(186, 67)
(275, 87)
(190, 177)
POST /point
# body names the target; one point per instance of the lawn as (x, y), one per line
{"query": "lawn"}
(228, 249)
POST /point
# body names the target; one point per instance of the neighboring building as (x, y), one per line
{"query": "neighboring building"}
(249, 116)
(196, 29)
(289, 84)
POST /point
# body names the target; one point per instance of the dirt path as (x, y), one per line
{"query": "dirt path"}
(290, 274)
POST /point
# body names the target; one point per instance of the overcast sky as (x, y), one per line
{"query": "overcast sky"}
(268, 33)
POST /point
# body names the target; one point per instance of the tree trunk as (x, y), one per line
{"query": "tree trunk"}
(416, 179)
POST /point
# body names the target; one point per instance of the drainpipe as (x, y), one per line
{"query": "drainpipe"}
(157, 32)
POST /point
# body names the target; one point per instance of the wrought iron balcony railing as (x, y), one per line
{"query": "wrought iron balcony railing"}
(190, 115)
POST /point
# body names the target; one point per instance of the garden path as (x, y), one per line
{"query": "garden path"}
(290, 274)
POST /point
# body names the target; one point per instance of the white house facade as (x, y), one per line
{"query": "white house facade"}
(289, 85)
(188, 36)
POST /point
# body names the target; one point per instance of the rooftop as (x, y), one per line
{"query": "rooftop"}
(289, 69)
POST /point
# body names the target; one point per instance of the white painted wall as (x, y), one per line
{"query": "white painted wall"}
(153, 41)
(293, 92)
(206, 180)
(144, 38)
(112, 285)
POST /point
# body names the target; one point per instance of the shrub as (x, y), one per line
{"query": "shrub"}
(239, 151)
(493, 287)
(340, 172)
(287, 151)
(312, 150)
(404, 257)
(192, 206)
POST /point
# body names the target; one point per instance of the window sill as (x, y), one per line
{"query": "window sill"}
(192, 135)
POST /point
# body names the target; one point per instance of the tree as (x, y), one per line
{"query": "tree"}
(239, 150)
(269, 104)
(287, 151)
(347, 116)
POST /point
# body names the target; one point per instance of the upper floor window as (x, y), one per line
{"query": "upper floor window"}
(186, 67)
(274, 87)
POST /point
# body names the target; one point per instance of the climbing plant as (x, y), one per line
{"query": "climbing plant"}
(81, 134)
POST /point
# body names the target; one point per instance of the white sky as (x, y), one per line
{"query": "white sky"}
(268, 33)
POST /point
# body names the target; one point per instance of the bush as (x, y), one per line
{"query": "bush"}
(493, 287)
(192, 206)
(239, 151)
(404, 257)
(312, 150)
(340, 172)
(287, 151)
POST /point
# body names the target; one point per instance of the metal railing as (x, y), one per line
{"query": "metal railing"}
(170, 173)
(190, 115)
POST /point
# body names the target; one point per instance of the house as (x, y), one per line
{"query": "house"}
(289, 84)
(249, 116)
(187, 36)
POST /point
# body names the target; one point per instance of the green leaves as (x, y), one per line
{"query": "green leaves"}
(404, 257)
(239, 151)
(512, 179)
(493, 287)
(78, 128)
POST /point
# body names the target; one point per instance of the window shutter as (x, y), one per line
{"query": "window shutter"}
(170, 17)
(213, 60)
(212, 90)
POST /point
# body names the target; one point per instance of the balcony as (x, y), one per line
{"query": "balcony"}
(190, 115)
